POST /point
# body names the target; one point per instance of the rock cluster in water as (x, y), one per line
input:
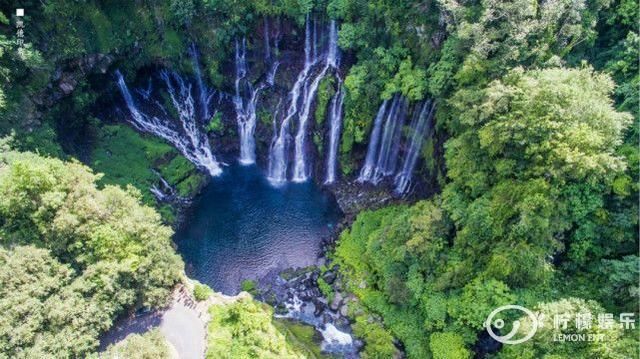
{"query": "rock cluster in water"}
(295, 294)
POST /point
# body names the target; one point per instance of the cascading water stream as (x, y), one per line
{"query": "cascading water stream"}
(300, 100)
(314, 41)
(300, 163)
(307, 41)
(183, 103)
(300, 170)
(267, 45)
(164, 191)
(420, 126)
(332, 51)
(193, 145)
(246, 96)
(245, 109)
(278, 161)
(334, 340)
(204, 94)
(335, 123)
(146, 93)
(384, 145)
(271, 75)
(390, 144)
(393, 157)
(385, 141)
(274, 62)
(372, 150)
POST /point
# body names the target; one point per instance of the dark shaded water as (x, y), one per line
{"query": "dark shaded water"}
(241, 228)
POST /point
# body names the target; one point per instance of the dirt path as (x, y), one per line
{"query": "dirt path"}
(183, 324)
(183, 328)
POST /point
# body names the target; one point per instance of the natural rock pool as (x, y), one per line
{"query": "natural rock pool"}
(241, 227)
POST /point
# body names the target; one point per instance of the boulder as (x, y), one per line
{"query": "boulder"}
(344, 310)
(336, 302)
(314, 276)
(342, 324)
(319, 308)
(67, 85)
(329, 276)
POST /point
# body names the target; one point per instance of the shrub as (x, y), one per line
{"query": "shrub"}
(202, 292)
(249, 285)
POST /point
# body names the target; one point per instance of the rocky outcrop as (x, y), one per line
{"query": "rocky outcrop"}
(295, 294)
(66, 77)
(353, 197)
(62, 83)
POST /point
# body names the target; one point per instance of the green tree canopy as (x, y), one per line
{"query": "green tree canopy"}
(530, 166)
(150, 345)
(56, 205)
(245, 329)
(73, 257)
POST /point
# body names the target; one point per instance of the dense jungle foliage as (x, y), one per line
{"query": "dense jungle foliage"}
(537, 160)
(74, 257)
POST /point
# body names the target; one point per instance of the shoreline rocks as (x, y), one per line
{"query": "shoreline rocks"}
(295, 294)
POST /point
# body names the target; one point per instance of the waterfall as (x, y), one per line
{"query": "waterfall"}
(183, 103)
(271, 75)
(193, 145)
(300, 170)
(335, 122)
(278, 160)
(146, 93)
(372, 150)
(245, 109)
(332, 55)
(314, 42)
(164, 192)
(204, 94)
(273, 68)
(390, 145)
(384, 144)
(300, 101)
(420, 126)
(307, 41)
(277, 153)
(300, 162)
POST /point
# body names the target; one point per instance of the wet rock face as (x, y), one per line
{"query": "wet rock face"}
(62, 83)
(353, 197)
(67, 77)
